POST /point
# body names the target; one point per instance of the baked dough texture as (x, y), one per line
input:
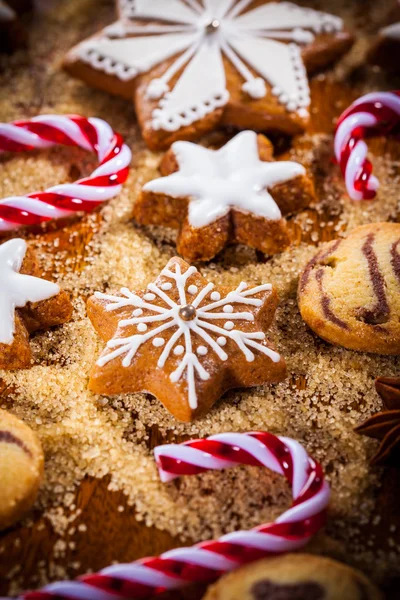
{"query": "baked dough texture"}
(349, 293)
(21, 468)
(294, 577)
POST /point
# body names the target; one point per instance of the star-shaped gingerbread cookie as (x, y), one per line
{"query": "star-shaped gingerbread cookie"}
(184, 340)
(237, 194)
(195, 65)
(27, 303)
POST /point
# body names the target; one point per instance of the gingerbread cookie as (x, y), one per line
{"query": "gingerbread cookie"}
(21, 468)
(27, 303)
(385, 51)
(237, 194)
(294, 577)
(349, 293)
(260, 52)
(184, 340)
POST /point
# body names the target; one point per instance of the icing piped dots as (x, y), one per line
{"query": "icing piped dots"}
(221, 341)
(193, 289)
(158, 342)
(178, 350)
(137, 312)
(166, 286)
(150, 297)
(201, 350)
(229, 325)
(215, 296)
(142, 327)
(228, 308)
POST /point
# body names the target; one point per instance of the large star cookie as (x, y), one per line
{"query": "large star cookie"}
(184, 340)
(195, 65)
(27, 303)
(236, 194)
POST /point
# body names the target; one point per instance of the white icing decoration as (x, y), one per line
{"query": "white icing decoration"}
(166, 318)
(6, 12)
(193, 289)
(228, 308)
(166, 286)
(215, 296)
(158, 342)
(217, 180)
(16, 289)
(202, 350)
(229, 325)
(142, 327)
(267, 39)
(392, 31)
(149, 296)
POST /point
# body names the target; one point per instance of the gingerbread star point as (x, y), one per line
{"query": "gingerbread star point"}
(184, 340)
(237, 194)
(27, 303)
(160, 52)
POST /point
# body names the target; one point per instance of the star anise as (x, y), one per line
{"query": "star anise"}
(385, 425)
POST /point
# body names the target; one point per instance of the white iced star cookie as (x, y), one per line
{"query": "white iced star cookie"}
(184, 340)
(235, 194)
(27, 303)
(259, 52)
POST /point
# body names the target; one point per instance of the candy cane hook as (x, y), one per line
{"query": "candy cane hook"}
(375, 114)
(207, 561)
(63, 200)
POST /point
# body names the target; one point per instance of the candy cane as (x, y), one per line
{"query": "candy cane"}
(206, 561)
(66, 199)
(377, 113)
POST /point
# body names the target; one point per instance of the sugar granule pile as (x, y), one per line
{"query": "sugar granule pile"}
(329, 389)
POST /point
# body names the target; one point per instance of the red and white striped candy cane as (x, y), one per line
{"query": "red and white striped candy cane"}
(66, 199)
(375, 114)
(207, 561)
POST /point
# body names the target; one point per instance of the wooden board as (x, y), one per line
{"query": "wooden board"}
(112, 534)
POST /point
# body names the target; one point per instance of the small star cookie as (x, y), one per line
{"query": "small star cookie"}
(27, 303)
(193, 66)
(237, 194)
(184, 340)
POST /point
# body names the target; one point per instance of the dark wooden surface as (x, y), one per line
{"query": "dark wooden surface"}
(112, 535)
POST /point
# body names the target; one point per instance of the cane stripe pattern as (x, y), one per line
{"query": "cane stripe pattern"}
(377, 113)
(62, 200)
(207, 561)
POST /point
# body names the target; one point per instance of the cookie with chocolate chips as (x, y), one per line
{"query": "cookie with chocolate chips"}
(21, 468)
(294, 577)
(349, 293)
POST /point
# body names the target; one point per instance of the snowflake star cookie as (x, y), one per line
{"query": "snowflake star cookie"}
(160, 52)
(184, 340)
(27, 303)
(236, 194)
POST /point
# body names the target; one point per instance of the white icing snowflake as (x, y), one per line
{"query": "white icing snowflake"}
(268, 39)
(177, 327)
(217, 180)
(17, 289)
